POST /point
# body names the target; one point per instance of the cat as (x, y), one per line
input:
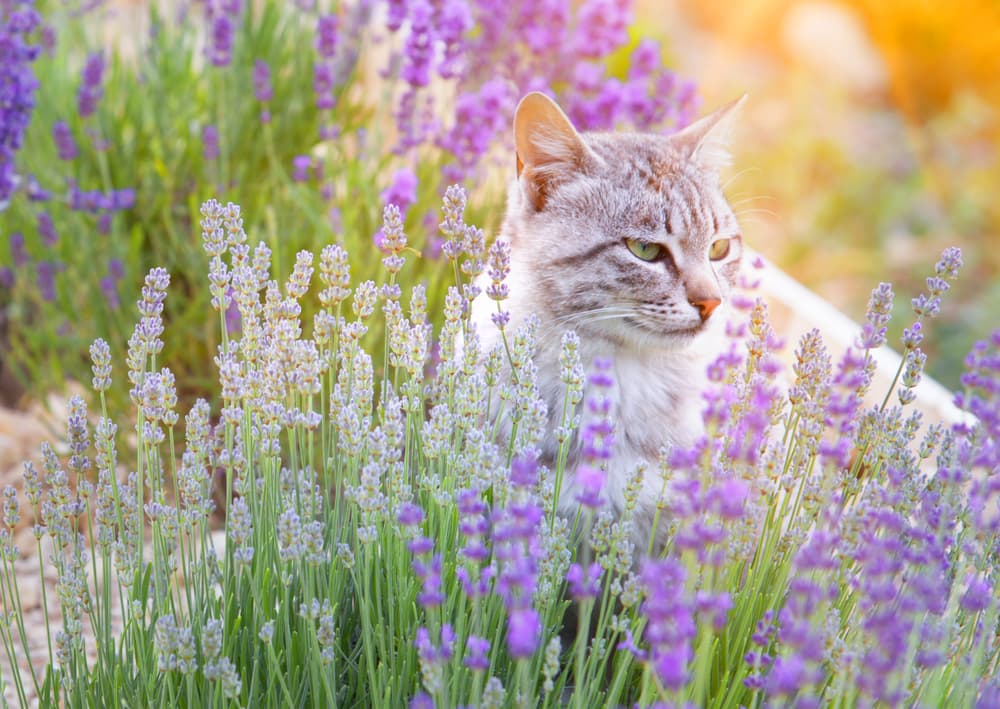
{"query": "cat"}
(627, 239)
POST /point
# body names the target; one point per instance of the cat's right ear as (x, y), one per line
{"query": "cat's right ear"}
(548, 147)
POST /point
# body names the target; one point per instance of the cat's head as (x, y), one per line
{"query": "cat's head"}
(622, 235)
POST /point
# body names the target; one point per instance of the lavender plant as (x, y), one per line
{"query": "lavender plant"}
(308, 114)
(377, 544)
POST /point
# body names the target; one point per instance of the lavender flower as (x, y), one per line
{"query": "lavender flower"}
(300, 168)
(46, 273)
(262, 89)
(209, 142)
(598, 437)
(524, 629)
(402, 190)
(91, 89)
(581, 585)
(323, 84)
(326, 36)
(63, 138)
(876, 317)
(17, 86)
(47, 230)
(18, 254)
(602, 27)
(419, 50)
(220, 39)
(670, 622)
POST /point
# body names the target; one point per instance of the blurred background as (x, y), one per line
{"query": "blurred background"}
(868, 144)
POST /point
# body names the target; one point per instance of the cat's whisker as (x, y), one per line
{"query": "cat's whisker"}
(756, 210)
(740, 174)
(747, 200)
(582, 314)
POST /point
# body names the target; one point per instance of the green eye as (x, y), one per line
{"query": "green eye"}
(719, 249)
(643, 249)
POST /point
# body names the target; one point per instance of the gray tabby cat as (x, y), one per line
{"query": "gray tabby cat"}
(627, 239)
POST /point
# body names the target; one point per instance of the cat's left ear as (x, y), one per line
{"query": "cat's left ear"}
(706, 141)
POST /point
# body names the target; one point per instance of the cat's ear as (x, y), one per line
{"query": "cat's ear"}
(548, 147)
(706, 141)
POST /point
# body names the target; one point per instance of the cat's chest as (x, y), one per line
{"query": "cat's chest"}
(656, 402)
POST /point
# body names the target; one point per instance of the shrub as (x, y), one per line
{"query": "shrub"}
(382, 547)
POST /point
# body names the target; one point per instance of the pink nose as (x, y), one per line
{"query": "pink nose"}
(705, 306)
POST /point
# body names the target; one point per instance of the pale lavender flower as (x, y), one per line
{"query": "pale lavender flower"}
(300, 168)
(877, 317)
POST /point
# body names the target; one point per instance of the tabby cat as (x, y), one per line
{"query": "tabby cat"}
(627, 239)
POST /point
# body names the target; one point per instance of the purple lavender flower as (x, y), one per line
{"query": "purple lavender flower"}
(18, 254)
(410, 515)
(670, 621)
(978, 595)
(473, 525)
(300, 168)
(452, 22)
(323, 83)
(91, 90)
(109, 289)
(35, 191)
(46, 272)
(430, 595)
(402, 191)
(209, 142)
(598, 437)
(7, 278)
(326, 36)
(583, 586)
(123, 199)
(479, 116)
(524, 630)
(262, 89)
(476, 653)
(17, 87)
(65, 145)
(602, 27)
(419, 50)
(220, 41)
(396, 14)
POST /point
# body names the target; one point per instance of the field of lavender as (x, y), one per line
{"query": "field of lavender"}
(282, 487)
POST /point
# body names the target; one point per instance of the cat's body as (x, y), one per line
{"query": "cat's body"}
(627, 240)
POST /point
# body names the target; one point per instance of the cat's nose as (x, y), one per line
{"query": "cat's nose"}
(705, 305)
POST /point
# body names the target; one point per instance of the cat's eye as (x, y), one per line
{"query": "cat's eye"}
(719, 249)
(645, 250)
